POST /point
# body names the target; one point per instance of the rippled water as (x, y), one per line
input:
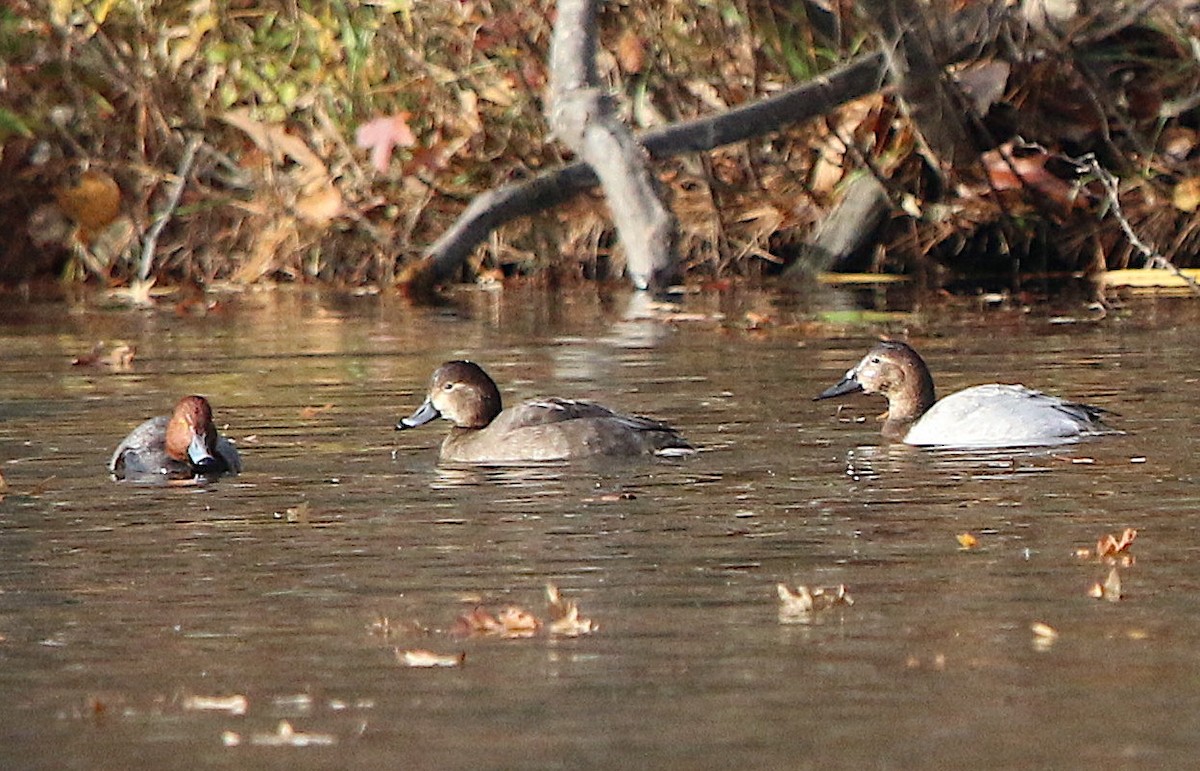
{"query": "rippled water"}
(293, 584)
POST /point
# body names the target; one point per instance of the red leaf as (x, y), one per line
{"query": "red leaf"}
(382, 135)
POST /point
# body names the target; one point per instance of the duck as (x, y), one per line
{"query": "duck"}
(182, 445)
(550, 429)
(983, 416)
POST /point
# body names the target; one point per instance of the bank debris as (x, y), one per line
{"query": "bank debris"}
(195, 143)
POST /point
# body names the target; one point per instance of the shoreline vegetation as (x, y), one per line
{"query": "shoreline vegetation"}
(210, 142)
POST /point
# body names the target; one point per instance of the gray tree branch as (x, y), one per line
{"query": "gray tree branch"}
(583, 118)
(493, 208)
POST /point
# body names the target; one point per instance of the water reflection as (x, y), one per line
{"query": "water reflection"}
(889, 459)
(119, 604)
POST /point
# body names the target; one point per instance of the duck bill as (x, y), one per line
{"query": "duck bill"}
(847, 385)
(425, 413)
(199, 456)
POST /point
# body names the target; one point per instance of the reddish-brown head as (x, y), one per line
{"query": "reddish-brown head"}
(191, 435)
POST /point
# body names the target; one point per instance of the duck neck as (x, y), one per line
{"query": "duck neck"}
(906, 406)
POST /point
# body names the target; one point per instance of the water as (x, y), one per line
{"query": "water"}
(294, 584)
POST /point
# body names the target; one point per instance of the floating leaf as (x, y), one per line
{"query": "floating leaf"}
(564, 614)
(1112, 545)
(428, 659)
(966, 541)
(509, 622)
(139, 293)
(119, 358)
(801, 604)
(297, 514)
(516, 622)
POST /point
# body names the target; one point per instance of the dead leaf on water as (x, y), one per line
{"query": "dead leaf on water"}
(423, 659)
(119, 358)
(1113, 545)
(517, 622)
(564, 615)
(801, 604)
(966, 541)
(308, 413)
(296, 514)
(509, 622)
(139, 293)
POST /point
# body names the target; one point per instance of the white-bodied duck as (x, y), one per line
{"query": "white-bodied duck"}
(991, 415)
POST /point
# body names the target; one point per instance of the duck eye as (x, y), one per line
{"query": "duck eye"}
(448, 387)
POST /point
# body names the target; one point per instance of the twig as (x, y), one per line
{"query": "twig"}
(176, 190)
(1149, 254)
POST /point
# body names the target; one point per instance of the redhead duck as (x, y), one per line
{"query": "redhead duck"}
(982, 416)
(535, 430)
(183, 444)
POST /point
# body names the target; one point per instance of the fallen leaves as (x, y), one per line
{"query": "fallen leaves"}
(301, 201)
(298, 514)
(511, 622)
(800, 605)
(1030, 168)
(120, 358)
(966, 541)
(1117, 547)
(515, 622)
(1113, 550)
(564, 614)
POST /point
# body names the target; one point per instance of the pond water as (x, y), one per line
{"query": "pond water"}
(131, 615)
